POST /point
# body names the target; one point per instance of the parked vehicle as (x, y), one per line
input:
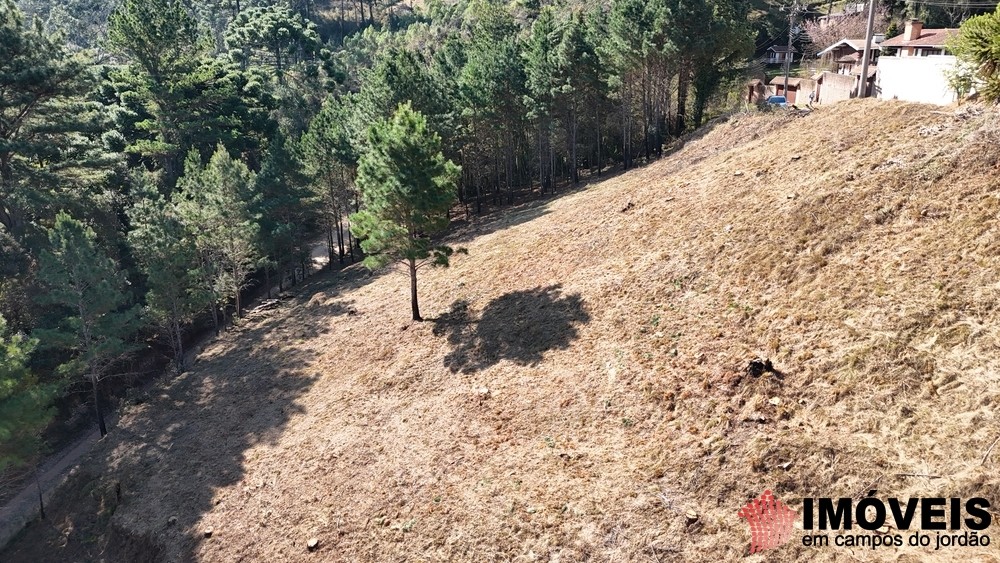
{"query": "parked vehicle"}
(778, 101)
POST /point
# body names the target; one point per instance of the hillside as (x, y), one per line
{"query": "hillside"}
(581, 386)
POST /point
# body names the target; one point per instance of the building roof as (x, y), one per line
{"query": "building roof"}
(872, 69)
(856, 44)
(782, 49)
(792, 82)
(928, 38)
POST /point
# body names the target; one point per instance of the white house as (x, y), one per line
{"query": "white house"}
(919, 42)
(917, 68)
(778, 54)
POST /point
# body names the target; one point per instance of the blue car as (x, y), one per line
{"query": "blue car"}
(779, 101)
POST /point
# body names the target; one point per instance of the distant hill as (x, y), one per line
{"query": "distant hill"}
(581, 391)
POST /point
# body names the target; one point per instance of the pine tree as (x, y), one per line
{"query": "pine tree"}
(407, 188)
(540, 71)
(288, 210)
(166, 252)
(492, 84)
(99, 322)
(625, 52)
(273, 35)
(398, 76)
(25, 403)
(162, 42)
(214, 202)
(43, 118)
(331, 161)
(577, 79)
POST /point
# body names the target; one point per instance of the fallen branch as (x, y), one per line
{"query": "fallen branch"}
(988, 450)
(860, 494)
(929, 476)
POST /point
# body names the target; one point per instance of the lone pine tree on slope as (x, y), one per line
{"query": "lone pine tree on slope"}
(407, 187)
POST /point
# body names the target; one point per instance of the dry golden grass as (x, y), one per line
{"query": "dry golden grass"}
(581, 388)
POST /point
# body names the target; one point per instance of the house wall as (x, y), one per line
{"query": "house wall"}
(836, 87)
(916, 79)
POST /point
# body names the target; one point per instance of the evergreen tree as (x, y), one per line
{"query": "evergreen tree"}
(99, 322)
(43, 117)
(288, 210)
(492, 84)
(214, 202)
(722, 51)
(578, 83)
(407, 188)
(331, 161)
(540, 72)
(398, 76)
(166, 252)
(273, 35)
(162, 42)
(625, 52)
(25, 403)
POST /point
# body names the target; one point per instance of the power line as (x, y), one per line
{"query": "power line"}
(770, 39)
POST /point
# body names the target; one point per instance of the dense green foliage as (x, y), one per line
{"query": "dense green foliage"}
(978, 47)
(24, 403)
(407, 187)
(163, 156)
(93, 318)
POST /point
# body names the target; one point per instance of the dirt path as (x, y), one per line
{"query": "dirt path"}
(23, 508)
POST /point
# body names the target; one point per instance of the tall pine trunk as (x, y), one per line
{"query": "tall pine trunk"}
(541, 181)
(350, 244)
(413, 290)
(598, 128)
(330, 252)
(683, 82)
(574, 173)
(239, 305)
(97, 407)
(215, 312)
(180, 345)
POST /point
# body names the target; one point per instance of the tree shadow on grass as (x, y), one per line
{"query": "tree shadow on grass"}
(520, 326)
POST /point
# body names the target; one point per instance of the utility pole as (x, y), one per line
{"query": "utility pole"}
(866, 57)
(792, 11)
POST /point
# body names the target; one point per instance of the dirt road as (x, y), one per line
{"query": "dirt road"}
(24, 507)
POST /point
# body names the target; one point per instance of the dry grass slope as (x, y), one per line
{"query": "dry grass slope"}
(581, 388)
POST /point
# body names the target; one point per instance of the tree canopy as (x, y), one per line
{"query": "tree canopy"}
(407, 188)
(978, 46)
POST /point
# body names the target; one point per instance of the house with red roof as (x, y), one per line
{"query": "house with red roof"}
(919, 42)
(917, 65)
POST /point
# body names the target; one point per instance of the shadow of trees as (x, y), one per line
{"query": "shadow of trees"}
(520, 326)
(183, 445)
